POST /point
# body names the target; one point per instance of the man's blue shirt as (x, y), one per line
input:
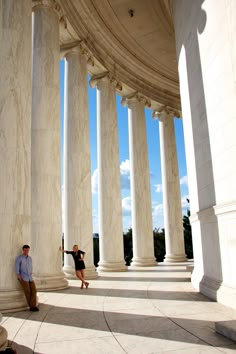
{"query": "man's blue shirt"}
(24, 267)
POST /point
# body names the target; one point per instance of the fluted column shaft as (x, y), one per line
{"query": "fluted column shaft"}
(77, 170)
(109, 193)
(142, 230)
(46, 168)
(15, 137)
(174, 238)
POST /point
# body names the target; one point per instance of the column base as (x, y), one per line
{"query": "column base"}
(90, 273)
(69, 272)
(111, 267)
(143, 262)
(215, 289)
(53, 282)
(171, 258)
(3, 336)
(12, 301)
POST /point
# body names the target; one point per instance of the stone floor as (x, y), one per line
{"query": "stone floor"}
(146, 310)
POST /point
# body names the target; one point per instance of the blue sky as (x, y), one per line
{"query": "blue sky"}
(153, 153)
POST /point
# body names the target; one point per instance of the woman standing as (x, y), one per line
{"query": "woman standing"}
(78, 257)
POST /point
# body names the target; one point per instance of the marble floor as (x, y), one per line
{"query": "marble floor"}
(142, 311)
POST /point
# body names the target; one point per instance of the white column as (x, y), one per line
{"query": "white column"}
(46, 161)
(77, 169)
(3, 336)
(15, 136)
(142, 230)
(109, 193)
(174, 237)
(206, 55)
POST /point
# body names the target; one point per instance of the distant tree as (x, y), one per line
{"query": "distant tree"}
(128, 246)
(159, 244)
(96, 251)
(63, 249)
(188, 234)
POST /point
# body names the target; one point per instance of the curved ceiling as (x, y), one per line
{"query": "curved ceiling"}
(132, 39)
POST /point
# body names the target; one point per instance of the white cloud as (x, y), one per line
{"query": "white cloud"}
(126, 205)
(126, 213)
(125, 167)
(157, 209)
(157, 215)
(158, 188)
(95, 181)
(95, 221)
(184, 180)
(184, 202)
(125, 174)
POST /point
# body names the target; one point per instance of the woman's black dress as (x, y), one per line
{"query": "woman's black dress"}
(79, 263)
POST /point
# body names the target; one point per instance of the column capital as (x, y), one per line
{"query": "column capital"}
(53, 4)
(165, 112)
(105, 76)
(135, 97)
(77, 47)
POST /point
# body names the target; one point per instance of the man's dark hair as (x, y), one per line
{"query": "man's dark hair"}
(25, 246)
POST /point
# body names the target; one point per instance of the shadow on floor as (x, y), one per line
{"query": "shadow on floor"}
(21, 348)
(172, 328)
(135, 294)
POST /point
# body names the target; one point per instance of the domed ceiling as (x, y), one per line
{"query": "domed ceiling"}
(132, 39)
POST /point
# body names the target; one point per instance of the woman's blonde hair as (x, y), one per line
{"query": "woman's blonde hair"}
(75, 246)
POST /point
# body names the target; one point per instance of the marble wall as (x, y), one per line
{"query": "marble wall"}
(206, 58)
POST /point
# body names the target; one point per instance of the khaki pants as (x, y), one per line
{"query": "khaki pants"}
(30, 292)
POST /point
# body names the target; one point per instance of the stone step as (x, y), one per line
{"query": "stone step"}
(227, 329)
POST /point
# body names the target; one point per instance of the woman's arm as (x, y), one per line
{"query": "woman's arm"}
(60, 249)
(82, 254)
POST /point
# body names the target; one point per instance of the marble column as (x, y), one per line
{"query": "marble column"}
(15, 141)
(77, 169)
(143, 243)
(206, 56)
(46, 161)
(174, 237)
(3, 336)
(109, 192)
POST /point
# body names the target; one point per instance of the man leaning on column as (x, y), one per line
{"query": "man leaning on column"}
(24, 274)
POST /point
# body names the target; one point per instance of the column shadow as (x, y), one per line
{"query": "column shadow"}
(135, 294)
(55, 319)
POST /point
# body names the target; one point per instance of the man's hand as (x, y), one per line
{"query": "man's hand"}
(19, 277)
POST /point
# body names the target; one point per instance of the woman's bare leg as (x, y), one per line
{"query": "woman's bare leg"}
(79, 275)
(85, 282)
